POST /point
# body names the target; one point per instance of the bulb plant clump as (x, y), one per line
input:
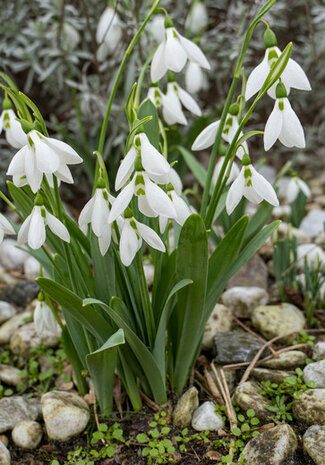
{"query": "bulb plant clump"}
(111, 322)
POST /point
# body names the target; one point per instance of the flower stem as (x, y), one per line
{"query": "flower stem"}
(146, 304)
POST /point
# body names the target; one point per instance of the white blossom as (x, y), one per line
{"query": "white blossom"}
(234, 172)
(194, 78)
(197, 19)
(157, 27)
(109, 33)
(15, 135)
(177, 95)
(33, 229)
(5, 227)
(171, 108)
(42, 155)
(173, 53)
(251, 185)
(132, 234)
(182, 209)
(44, 319)
(294, 186)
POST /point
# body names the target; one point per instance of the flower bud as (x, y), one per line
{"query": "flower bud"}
(246, 160)
(6, 104)
(26, 125)
(197, 19)
(233, 109)
(270, 38)
(281, 91)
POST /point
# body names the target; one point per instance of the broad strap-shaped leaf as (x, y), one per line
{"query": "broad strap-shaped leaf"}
(221, 260)
(104, 270)
(90, 318)
(21, 200)
(101, 365)
(258, 220)
(145, 358)
(164, 279)
(75, 360)
(192, 263)
(151, 128)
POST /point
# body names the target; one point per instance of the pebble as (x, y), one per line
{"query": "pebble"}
(10, 375)
(302, 237)
(27, 434)
(4, 455)
(7, 311)
(11, 257)
(26, 337)
(275, 320)
(242, 300)
(314, 443)
(313, 223)
(185, 407)
(275, 376)
(31, 267)
(10, 326)
(205, 418)
(313, 252)
(319, 351)
(21, 293)
(15, 409)
(235, 347)
(253, 273)
(65, 414)
(271, 447)
(285, 360)
(220, 321)
(247, 396)
(315, 372)
(310, 407)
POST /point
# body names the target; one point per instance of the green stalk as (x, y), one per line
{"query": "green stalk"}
(11, 205)
(145, 299)
(119, 74)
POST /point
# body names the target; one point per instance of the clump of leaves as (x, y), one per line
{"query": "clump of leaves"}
(113, 437)
(304, 337)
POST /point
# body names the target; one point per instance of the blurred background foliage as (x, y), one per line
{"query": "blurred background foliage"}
(49, 48)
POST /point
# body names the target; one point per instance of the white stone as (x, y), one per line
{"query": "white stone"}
(27, 434)
(31, 267)
(65, 414)
(313, 223)
(315, 372)
(314, 443)
(282, 186)
(10, 326)
(11, 257)
(302, 237)
(15, 409)
(7, 311)
(185, 407)
(282, 211)
(10, 375)
(149, 272)
(242, 299)
(313, 252)
(205, 418)
(319, 351)
(289, 359)
(4, 455)
(26, 337)
(219, 322)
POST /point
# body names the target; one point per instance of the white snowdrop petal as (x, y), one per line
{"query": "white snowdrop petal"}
(104, 240)
(188, 101)
(86, 212)
(172, 112)
(15, 136)
(104, 22)
(145, 208)
(100, 213)
(175, 181)
(22, 236)
(292, 191)
(66, 153)
(6, 225)
(194, 78)
(158, 200)
(292, 131)
(174, 54)
(273, 126)
(125, 169)
(63, 173)
(57, 227)
(235, 193)
(47, 160)
(252, 195)
(121, 201)
(304, 188)
(194, 52)
(294, 76)
(158, 67)
(257, 78)
(152, 160)
(17, 164)
(163, 220)
(36, 232)
(150, 236)
(263, 188)
(34, 176)
(129, 244)
(207, 137)
(182, 210)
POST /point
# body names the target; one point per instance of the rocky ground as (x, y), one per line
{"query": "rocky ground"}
(258, 387)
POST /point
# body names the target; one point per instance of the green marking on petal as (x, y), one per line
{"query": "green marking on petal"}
(281, 105)
(140, 191)
(249, 183)
(139, 180)
(247, 173)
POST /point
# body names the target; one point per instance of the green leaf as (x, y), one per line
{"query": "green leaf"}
(151, 128)
(104, 270)
(155, 379)
(191, 263)
(75, 361)
(195, 167)
(101, 365)
(21, 200)
(258, 220)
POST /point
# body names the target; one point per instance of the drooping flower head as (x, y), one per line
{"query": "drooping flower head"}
(42, 155)
(5, 227)
(234, 172)
(251, 185)
(292, 76)
(283, 123)
(173, 53)
(15, 135)
(295, 186)
(109, 33)
(178, 97)
(197, 19)
(44, 318)
(182, 209)
(194, 78)
(33, 229)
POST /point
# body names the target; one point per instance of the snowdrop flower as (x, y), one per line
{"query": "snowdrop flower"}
(292, 76)
(251, 185)
(132, 234)
(197, 19)
(234, 172)
(5, 227)
(177, 95)
(172, 110)
(207, 137)
(42, 155)
(294, 186)
(148, 158)
(173, 52)
(194, 78)
(109, 33)
(182, 209)
(157, 27)
(8, 121)
(283, 123)
(44, 319)
(33, 229)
